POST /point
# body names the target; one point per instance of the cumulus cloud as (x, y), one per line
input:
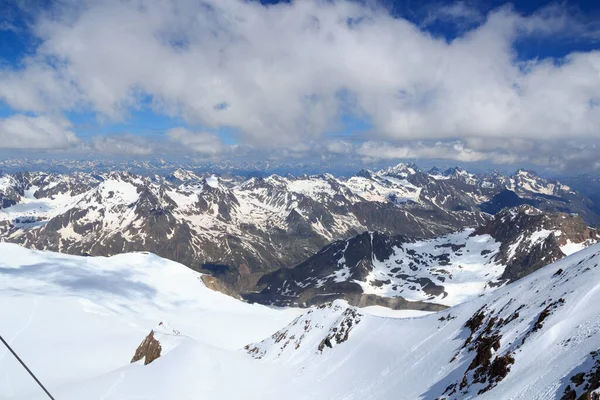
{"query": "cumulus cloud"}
(25, 132)
(199, 142)
(339, 147)
(455, 150)
(125, 144)
(283, 74)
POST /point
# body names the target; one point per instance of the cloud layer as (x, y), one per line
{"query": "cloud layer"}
(24, 132)
(284, 75)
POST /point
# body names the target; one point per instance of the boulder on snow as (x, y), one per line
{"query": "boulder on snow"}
(149, 349)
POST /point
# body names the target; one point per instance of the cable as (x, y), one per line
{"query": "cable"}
(25, 366)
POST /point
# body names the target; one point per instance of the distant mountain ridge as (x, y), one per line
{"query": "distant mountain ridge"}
(239, 229)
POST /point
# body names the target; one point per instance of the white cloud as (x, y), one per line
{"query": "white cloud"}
(281, 75)
(458, 13)
(8, 26)
(24, 132)
(126, 144)
(440, 150)
(199, 142)
(339, 147)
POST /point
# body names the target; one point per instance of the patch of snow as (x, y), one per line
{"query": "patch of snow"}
(572, 248)
(212, 181)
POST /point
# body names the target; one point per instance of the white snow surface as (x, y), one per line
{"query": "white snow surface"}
(212, 181)
(77, 322)
(78, 318)
(464, 275)
(572, 248)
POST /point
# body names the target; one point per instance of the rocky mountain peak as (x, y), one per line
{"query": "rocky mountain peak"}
(454, 171)
(262, 223)
(402, 170)
(181, 176)
(434, 171)
(364, 173)
(531, 238)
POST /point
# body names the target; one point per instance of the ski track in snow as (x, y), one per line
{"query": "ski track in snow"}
(16, 335)
(113, 386)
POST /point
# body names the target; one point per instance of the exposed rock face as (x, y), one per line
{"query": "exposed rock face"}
(333, 274)
(11, 190)
(490, 354)
(514, 228)
(219, 286)
(405, 273)
(394, 303)
(585, 384)
(341, 331)
(149, 350)
(319, 329)
(504, 199)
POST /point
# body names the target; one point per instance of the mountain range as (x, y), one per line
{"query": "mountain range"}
(251, 234)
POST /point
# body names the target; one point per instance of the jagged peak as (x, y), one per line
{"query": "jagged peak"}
(124, 176)
(434, 171)
(276, 180)
(400, 169)
(456, 170)
(263, 182)
(523, 209)
(365, 173)
(525, 172)
(182, 175)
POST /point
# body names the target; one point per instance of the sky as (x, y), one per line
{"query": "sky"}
(363, 82)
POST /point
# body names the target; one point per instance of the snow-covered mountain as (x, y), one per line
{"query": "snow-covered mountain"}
(231, 228)
(238, 229)
(405, 273)
(77, 322)
(533, 339)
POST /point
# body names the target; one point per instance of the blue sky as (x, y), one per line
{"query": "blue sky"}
(367, 81)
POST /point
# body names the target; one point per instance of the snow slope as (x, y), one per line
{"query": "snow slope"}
(548, 323)
(464, 274)
(77, 322)
(77, 318)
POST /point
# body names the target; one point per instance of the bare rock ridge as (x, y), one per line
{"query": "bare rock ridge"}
(321, 328)
(584, 383)
(554, 232)
(149, 350)
(215, 284)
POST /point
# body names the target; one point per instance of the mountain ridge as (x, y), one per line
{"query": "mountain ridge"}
(238, 229)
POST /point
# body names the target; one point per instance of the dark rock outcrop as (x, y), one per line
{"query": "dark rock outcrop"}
(149, 350)
(514, 227)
